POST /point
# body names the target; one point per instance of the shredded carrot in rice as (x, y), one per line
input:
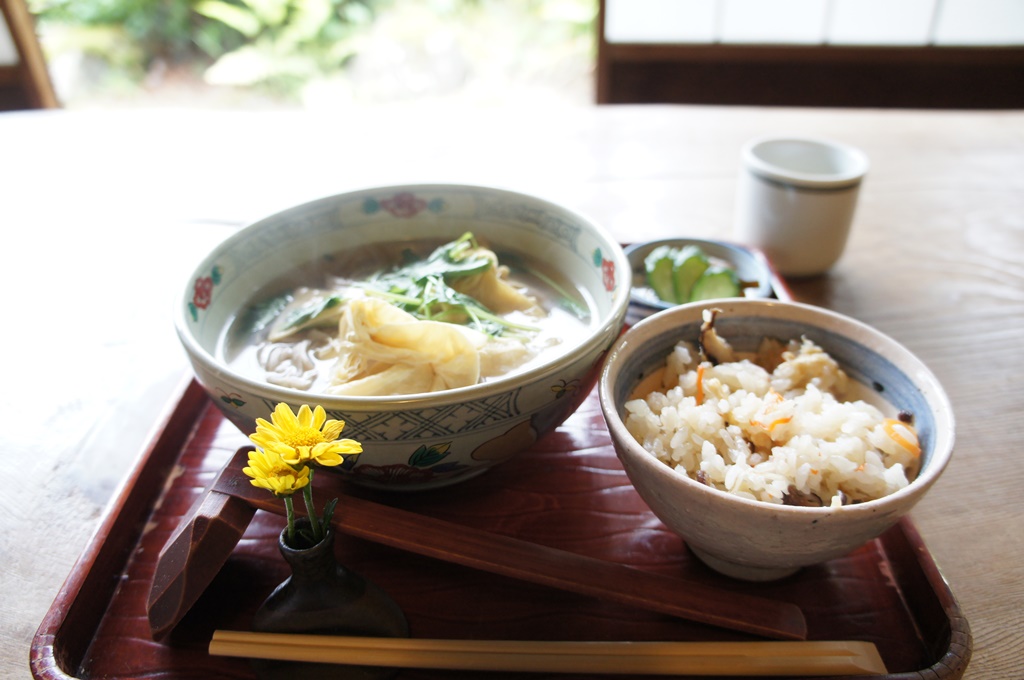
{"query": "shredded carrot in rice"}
(700, 384)
(900, 435)
(770, 426)
(773, 424)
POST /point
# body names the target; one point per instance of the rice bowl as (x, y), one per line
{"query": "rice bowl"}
(742, 536)
(772, 426)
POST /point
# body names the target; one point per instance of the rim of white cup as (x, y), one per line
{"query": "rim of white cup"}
(854, 168)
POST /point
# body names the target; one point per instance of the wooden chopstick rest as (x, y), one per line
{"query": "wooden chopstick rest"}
(192, 557)
(771, 658)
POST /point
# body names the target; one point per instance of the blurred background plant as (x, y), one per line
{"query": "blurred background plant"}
(317, 53)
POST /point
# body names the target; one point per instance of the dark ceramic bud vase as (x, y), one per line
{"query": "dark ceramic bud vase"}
(323, 597)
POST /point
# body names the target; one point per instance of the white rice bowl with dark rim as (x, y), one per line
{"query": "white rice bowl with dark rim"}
(781, 425)
(753, 539)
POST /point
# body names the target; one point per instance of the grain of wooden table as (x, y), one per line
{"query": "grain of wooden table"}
(102, 215)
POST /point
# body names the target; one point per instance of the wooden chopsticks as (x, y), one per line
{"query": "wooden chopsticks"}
(772, 658)
(535, 563)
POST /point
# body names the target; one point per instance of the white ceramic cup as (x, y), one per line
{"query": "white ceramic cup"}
(796, 200)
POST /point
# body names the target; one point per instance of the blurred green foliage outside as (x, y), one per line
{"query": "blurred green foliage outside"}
(275, 46)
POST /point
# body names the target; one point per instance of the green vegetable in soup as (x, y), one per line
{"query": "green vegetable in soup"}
(461, 257)
(314, 314)
(261, 315)
(308, 308)
(457, 283)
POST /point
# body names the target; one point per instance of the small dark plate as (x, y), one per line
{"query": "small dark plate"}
(750, 266)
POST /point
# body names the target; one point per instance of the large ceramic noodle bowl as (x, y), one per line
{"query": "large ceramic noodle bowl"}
(449, 326)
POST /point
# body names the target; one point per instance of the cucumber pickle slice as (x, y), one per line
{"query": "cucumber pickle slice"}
(687, 274)
(690, 265)
(716, 282)
(659, 264)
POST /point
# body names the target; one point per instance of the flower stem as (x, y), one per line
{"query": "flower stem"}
(290, 511)
(314, 521)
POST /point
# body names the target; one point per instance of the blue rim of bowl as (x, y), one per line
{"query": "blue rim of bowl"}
(750, 265)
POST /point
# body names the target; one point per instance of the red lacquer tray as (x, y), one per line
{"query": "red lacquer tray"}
(567, 492)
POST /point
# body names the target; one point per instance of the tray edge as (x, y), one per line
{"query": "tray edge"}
(81, 601)
(955, 655)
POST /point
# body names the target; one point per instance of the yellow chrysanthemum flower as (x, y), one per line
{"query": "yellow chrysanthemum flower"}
(306, 437)
(269, 471)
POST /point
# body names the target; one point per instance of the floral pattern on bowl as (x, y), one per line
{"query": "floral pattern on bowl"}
(420, 441)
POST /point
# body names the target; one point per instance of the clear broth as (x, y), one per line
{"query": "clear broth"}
(561, 330)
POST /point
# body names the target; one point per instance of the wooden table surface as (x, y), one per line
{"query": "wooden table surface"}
(103, 215)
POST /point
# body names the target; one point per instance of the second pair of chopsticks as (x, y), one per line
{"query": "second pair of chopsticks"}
(773, 658)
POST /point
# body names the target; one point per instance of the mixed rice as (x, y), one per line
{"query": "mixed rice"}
(772, 425)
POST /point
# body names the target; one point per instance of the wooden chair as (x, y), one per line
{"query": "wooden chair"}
(25, 84)
(925, 76)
